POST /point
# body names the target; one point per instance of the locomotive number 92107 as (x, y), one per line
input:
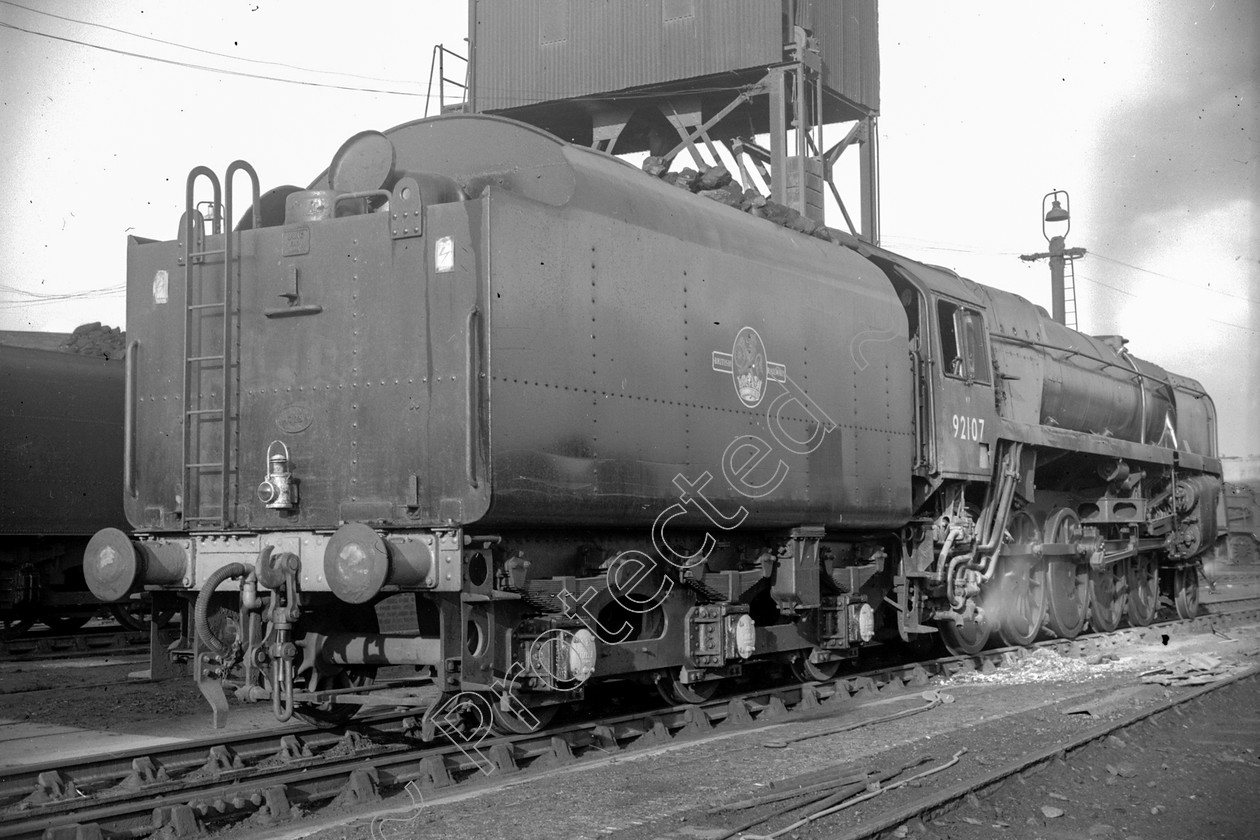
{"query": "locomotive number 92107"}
(968, 428)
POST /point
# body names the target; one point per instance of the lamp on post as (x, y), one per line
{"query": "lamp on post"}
(1058, 213)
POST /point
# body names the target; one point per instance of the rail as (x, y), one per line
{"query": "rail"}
(938, 802)
(205, 784)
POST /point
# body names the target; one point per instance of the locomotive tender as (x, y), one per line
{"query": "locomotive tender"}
(61, 425)
(574, 423)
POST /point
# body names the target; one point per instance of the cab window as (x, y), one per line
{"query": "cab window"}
(964, 349)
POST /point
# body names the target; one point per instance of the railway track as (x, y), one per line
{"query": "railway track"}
(271, 776)
(91, 641)
(940, 802)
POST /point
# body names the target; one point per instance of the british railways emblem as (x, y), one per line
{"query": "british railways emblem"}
(749, 368)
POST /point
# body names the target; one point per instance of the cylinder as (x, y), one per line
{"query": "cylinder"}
(115, 565)
(378, 649)
(1186, 495)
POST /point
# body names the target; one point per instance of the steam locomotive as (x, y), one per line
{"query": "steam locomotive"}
(61, 422)
(563, 422)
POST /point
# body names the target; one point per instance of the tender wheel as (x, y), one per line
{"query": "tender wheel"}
(1107, 597)
(136, 615)
(1067, 581)
(335, 714)
(1143, 583)
(514, 722)
(130, 617)
(12, 628)
(1186, 591)
(966, 639)
(1021, 586)
(676, 692)
(65, 624)
(807, 671)
(313, 674)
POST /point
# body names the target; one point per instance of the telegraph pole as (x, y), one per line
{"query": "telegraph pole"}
(1058, 254)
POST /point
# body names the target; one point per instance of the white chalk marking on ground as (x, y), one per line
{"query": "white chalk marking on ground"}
(22, 743)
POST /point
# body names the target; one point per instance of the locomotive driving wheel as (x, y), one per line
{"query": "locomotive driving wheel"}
(966, 639)
(1107, 596)
(1021, 586)
(1186, 591)
(1067, 581)
(1143, 582)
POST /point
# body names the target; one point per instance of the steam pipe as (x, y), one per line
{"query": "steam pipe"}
(993, 540)
(1006, 493)
(989, 549)
(955, 600)
(942, 559)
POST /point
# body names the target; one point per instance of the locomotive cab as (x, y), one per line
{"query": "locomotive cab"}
(964, 385)
(954, 374)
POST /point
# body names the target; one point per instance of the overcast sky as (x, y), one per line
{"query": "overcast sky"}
(1145, 111)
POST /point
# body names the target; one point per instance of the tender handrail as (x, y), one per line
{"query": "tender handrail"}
(193, 235)
(129, 418)
(233, 168)
(189, 207)
(471, 374)
(229, 255)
